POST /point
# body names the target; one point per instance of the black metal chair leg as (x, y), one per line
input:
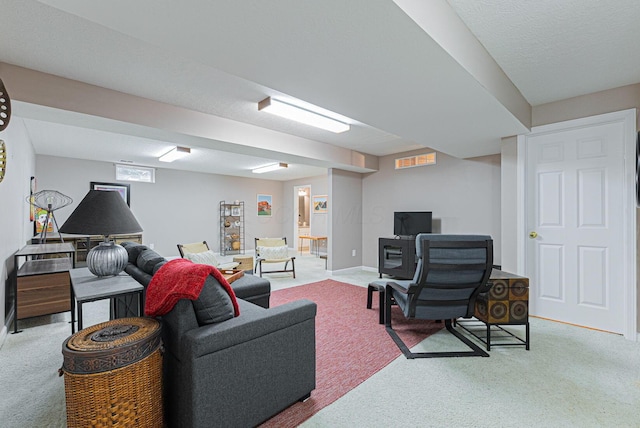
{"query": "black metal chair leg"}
(476, 351)
(387, 307)
(369, 296)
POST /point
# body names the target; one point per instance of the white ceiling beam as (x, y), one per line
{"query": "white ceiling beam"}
(444, 26)
(152, 119)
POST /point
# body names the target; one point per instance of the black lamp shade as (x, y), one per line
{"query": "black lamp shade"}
(101, 212)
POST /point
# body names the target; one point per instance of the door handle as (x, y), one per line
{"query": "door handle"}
(533, 235)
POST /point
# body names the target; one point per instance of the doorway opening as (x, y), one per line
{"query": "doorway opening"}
(302, 219)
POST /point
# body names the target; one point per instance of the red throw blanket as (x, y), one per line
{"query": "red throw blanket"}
(181, 279)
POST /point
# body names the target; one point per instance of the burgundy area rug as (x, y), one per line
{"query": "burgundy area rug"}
(350, 344)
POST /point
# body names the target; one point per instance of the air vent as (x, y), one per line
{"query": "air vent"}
(418, 160)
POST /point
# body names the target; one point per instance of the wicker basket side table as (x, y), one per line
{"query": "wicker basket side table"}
(113, 374)
(246, 262)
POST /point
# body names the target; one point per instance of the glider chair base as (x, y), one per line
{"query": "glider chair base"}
(451, 271)
(259, 270)
(476, 351)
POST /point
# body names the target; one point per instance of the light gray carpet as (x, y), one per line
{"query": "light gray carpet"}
(571, 377)
(32, 393)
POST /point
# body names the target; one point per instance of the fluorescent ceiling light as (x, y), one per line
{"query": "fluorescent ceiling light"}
(301, 115)
(174, 154)
(268, 168)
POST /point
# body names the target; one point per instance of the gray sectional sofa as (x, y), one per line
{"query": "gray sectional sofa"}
(238, 372)
(144, 262)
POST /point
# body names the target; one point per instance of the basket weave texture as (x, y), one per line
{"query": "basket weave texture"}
(246, 262)
(113, 374)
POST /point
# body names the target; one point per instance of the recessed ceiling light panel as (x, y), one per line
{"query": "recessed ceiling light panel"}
(298, 114)
(175, 154)
(268, 168)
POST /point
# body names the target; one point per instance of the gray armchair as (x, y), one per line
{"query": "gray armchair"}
(452, 270)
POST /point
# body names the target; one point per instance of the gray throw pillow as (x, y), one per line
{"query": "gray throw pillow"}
(214, 304)
(148, 259)
(133, 249)
(138, 274)
(159, 265)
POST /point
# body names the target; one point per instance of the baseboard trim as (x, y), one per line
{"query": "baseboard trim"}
(354, 269)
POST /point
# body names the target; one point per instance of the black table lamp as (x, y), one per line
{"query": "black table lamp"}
(103, 213)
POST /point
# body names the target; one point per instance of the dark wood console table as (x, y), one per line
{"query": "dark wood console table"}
(84, 243)
(42, 284)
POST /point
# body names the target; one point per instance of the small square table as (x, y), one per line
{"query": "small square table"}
(86, 287)
(506, 303)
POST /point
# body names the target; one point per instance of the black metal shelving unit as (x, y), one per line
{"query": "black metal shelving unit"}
(232, 228)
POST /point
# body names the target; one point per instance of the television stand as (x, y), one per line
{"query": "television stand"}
(397, 257)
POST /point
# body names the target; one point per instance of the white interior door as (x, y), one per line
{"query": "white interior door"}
(576, 254)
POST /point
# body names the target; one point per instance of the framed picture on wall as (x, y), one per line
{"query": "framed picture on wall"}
(319, 204)
(123, 189)
(43, 220)
(32, 205)
(264, 205)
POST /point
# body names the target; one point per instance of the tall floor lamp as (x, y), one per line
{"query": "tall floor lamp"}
(105, 213)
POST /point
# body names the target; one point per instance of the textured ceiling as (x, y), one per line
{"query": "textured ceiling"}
(365, 59)
(558, 49)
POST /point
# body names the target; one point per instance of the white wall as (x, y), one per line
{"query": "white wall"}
(462, 194)
(344, 211)
(509, 204)
(15, 226)
(180, 207)
(608, 101)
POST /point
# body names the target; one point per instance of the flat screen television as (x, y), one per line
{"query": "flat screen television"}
(411, 223)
